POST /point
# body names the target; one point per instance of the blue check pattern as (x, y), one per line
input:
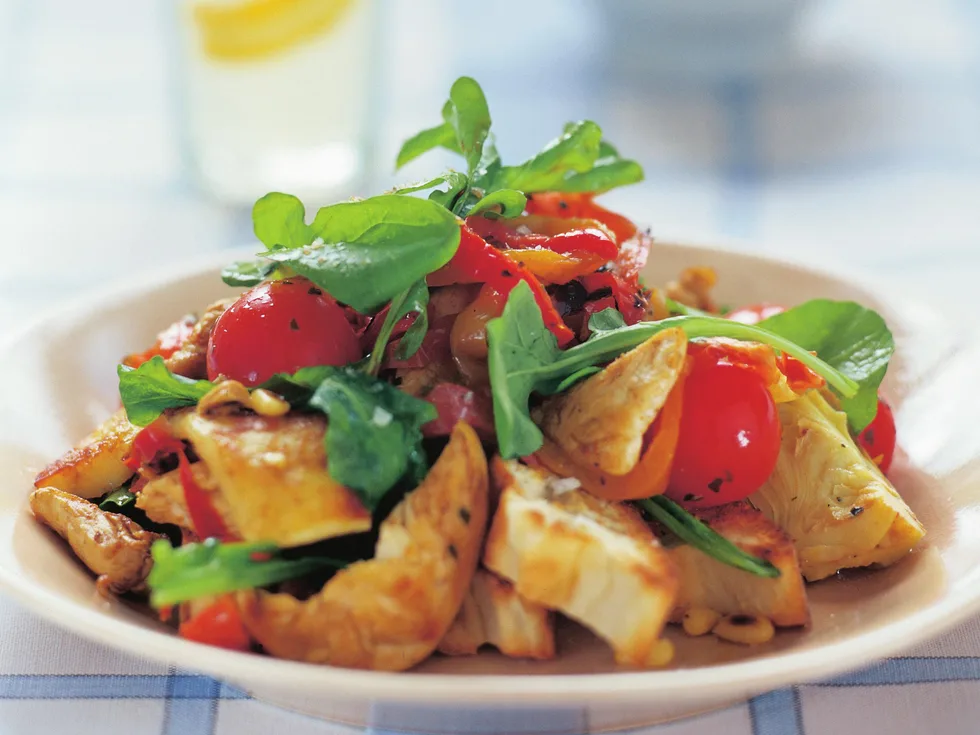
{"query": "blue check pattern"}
(862, 150)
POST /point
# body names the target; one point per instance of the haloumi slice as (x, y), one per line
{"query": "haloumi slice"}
(494, 614)
(596, 562)
(708, 583)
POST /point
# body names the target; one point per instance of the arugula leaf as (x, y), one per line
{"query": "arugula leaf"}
(212, 568)
(606, 321)
(501, 203)
(603, 177)
(440, 136)
(469, 117)
(150, 389)
(117, 501)
(279, 220)
(693, 532)
(368, 251)
(852, 338)
(575, 151)
(247, 272)
(524, 358)
(413, 299)
(374, 432)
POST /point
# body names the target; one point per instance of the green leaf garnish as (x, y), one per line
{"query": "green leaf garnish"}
(501, 203)
(279, 220)
(574, 151)
(368, 251)
(852, 338)
(440, 136)
(118, 501)
(374, 433)
(414, 299)
(692, 531)
(150, 389)
(248, 272)
(524, 358)
(211, 568)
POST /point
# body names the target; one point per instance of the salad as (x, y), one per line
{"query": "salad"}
(446, 416)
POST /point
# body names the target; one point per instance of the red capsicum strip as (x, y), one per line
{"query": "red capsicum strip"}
(156, 440)
(548, 233)
(477, 261)
(558, 204)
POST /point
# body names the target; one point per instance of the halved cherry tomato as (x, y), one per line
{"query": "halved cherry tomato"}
(558, 204)
(878, 437)
(650, 475)
(754, 313)
(167, 342)
(729, 433)
(280, 326)
(219, 624)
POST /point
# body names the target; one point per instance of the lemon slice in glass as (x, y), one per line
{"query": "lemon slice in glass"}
(252, 29)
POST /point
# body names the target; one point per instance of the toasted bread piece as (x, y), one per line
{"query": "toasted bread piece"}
(113, 546)
(271, 472)
(596, 562)
(494, 614)
(96, 465)
(830, 497)
(708, 583)
(602, 420)
(390, 612)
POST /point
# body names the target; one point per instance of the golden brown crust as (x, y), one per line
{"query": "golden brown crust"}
(96, 465)
(494, 614)
(389, 613)
(602, 420)
(190, 359)
(272, 474)
(595, 561)
(707, 583)
(111, 545)
(693, 288)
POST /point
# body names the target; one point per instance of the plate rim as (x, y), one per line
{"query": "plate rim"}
(752, 676)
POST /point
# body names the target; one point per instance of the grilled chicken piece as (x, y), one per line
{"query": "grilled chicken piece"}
(494, 614)
(190, 359)
(707, 583)
(111, 545)
(96, 465)
(271, 472)
(163, 500)
(830, 497)
(602, 420)
(390, 612)
(597, 562)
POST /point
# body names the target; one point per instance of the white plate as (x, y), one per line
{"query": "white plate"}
(58, 379)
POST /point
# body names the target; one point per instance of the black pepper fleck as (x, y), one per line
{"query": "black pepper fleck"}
(464, 513)
(314, 291)
(294, 325)
(506, 274)
(857, 510)
(715, 485)
(562, 204)
(452, 551)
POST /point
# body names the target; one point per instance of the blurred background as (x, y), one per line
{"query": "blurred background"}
(136, 133)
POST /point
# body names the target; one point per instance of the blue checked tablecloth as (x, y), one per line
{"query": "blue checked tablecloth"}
(860, 149)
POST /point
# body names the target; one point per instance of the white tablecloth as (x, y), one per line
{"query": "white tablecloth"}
(862, 151)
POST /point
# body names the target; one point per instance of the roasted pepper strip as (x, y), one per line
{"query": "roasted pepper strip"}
(650, 475)
(219, 624)
(629, 299)
(477, 261)
(580, 206)
(548, 233)
(553, 267)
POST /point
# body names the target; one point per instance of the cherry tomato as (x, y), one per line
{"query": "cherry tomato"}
(754, 313)
(878, 437)
(219, 624)
(729, 434)
(280, 326)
